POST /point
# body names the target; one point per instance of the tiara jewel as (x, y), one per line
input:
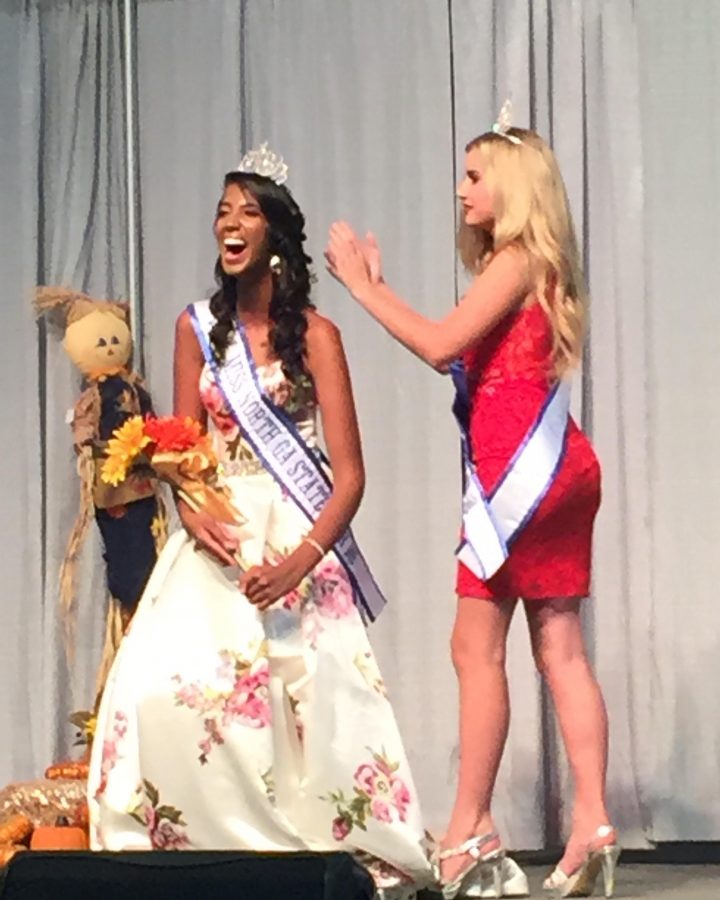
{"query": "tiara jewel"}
(264, 162)
(503, 123)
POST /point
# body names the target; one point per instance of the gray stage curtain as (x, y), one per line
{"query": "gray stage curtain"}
(366, 126)
(571, 69)
(371, 103)
(63, 220)
(675, 649)
(25, 698)
(189, 134)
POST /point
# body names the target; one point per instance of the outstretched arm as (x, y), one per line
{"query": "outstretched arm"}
(501, 287)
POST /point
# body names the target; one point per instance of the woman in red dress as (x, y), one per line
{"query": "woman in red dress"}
(518, 332)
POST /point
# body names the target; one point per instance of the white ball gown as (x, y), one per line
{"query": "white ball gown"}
(222, 727)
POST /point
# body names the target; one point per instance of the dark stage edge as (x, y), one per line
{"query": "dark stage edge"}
(206, 876)
(184, 875)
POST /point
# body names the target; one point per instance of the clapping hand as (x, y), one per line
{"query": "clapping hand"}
(356, 264)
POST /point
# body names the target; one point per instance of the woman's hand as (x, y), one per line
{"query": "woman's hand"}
(264, 585)
(373, 257)
(354, 263)
(215, 537)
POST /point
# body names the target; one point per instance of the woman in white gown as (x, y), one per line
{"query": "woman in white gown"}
(253, 716)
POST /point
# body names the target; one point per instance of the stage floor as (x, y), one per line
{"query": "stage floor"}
(644, 882)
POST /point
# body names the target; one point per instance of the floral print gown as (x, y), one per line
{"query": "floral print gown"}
(222, 727)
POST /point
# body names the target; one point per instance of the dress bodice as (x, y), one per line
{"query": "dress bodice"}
(518, 349)
(296, 398)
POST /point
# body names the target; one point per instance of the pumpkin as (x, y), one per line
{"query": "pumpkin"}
(67, 769)
(58, 837)
(15, 829)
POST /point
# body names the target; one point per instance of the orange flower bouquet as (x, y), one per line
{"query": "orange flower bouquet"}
(177, 451)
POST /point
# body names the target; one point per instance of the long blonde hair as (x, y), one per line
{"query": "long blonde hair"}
(532, 212)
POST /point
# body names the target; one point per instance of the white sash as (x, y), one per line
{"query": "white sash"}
(492, 522)
(281, 449)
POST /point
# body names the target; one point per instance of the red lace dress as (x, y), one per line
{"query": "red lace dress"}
(508, 375)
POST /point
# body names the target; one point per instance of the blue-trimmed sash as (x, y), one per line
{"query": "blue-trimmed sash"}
(281, 449)
(491, 522)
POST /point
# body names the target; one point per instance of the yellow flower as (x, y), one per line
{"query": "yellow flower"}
(114, 470)
(126, 444)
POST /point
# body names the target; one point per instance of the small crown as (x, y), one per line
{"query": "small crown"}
(503, 123)
(264, 162)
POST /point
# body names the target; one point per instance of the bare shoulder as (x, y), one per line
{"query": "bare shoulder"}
(186, 341)
(512, 261)
(508, 276)
(184, 328)
(322, 334)
(183, 324)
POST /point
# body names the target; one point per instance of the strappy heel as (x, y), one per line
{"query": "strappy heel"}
(581, 883)
(483, 865)
(513, 879)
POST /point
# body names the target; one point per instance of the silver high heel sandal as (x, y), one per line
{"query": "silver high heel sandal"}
(513, 879)
(582, 882)
(481, 864)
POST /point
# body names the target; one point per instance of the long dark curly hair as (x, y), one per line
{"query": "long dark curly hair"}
(291, 285)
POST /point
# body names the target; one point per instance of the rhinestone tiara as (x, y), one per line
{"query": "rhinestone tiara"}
(264, 161)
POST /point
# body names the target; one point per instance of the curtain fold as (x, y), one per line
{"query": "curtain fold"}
(571, 70)
(364, 123)
(680, 123)
(189, 84)
(371, 103)
(21, 523)
(65, 192)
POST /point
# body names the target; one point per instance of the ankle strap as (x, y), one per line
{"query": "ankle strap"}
(471, 845)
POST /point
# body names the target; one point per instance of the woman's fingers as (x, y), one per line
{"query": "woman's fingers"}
(215, 547)
(254, 584)
(342, 231)
(225, 535)
(342, 238)
(371, 252)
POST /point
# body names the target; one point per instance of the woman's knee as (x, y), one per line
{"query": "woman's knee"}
(472, 651)
(559, 658)
(556, 636)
